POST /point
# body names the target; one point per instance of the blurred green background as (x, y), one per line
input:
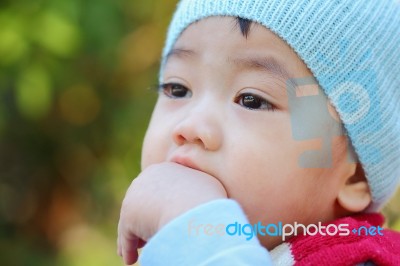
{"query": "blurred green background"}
(74, 105)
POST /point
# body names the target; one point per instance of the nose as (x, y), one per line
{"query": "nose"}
(200, 127)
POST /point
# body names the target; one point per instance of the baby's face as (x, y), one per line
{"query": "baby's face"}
(223, 109)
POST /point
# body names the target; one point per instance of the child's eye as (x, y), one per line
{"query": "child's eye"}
(254, 102)
(175, 90)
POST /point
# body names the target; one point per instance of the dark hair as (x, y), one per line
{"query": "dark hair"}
(244, 25)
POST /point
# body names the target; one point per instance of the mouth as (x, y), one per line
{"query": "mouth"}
(187, 162)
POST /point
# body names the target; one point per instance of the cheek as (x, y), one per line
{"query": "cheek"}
(255, 175)
(155, 144)
(266, 179)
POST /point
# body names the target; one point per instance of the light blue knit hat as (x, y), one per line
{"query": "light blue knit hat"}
(353, 49)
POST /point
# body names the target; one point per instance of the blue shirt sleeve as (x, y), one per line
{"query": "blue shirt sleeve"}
(199, 237)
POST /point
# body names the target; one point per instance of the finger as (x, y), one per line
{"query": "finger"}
(141, 243)
(129, 250)
(119, 247)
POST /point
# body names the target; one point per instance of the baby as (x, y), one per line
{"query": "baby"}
(275, 118)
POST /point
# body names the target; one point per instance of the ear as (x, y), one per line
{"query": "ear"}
(354, 195)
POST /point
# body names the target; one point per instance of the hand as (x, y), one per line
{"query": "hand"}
(159, 194)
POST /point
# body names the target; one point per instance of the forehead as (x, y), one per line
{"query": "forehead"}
(219, 38)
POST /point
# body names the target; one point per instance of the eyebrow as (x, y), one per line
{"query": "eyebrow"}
(180, 53)
(265, 64)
